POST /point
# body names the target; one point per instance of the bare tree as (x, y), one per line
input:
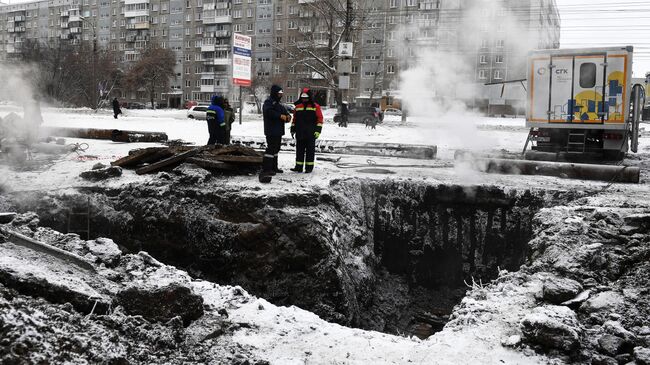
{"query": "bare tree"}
(79, 76)
(259, 89)
(152, 72)
(315, 51)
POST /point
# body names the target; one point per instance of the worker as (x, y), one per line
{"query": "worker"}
(344, 114)
(216, 121)
(275, 116)
(229, 116)
(116, 108)
(306, 127)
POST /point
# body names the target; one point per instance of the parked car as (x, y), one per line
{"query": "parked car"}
(135, 105)
(197, 112)
(362, 114)
(290, 107)
(392, 111)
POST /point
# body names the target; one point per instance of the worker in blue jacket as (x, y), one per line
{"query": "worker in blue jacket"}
(275, 117)
(216, 121)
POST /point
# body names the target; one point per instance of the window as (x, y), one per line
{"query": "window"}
(587, 75)
(482, 74)
(498, 58)
(236, 13)
(482, 59)
(237, 28)
(411, 2)
(500, 42)
(497, 75)
(389, 52)
(249, 13)
(390, 69)
(484, 43)
(393, 3)
(249, 27)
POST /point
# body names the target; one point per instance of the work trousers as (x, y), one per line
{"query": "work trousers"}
(305, 151)
(270, 160)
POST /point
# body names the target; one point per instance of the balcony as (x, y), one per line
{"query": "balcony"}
(136, 13)
(209, 6)
(215, 47)
(131, 2)
(207, 88)
(143, 25)
(65, 35)
(217, 61)
(217, 19)
(75, 30)
(65, 14)
(208, 48)
(19, 18)
(304, 29)
(64, 25)
(16, 30)
(74, 18)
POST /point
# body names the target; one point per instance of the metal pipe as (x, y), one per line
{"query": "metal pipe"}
(609, 173)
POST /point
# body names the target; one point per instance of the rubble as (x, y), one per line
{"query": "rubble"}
(231, 158)
(162, 304)
(101, 173)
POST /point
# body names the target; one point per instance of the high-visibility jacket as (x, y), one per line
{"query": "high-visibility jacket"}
(307, 119)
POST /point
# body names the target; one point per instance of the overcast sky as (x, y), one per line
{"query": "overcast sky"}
(593, 23)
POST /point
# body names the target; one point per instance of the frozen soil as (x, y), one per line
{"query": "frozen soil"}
(385, 255)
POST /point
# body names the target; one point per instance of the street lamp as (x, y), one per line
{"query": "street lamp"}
(95, 104)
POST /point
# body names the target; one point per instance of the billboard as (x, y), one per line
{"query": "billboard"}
(241, 59)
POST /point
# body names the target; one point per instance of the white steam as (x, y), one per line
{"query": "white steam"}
(440, 83)
(17, 88)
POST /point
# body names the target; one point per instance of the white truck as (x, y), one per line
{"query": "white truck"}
(582, 101)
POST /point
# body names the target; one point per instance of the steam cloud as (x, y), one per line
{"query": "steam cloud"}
(16, 87)
(440, 82)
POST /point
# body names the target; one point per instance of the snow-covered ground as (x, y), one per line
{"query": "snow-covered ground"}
(492, 135)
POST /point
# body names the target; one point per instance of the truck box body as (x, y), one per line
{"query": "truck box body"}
(579, 88)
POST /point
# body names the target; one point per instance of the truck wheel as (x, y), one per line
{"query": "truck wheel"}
(190, 116)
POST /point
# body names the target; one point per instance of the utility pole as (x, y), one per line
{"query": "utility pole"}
(95, 101)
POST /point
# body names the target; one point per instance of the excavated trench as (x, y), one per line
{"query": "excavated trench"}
(392, 256)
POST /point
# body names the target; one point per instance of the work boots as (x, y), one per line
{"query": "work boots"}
(276, 170)
(309, 168)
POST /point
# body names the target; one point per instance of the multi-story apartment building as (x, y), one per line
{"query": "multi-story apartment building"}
(388, 37)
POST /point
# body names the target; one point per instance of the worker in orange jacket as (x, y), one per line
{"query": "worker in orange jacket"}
(306, 126)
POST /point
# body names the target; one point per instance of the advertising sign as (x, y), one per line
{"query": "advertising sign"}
(241, 59)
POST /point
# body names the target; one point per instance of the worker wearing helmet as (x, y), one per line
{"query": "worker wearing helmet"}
(306, 126)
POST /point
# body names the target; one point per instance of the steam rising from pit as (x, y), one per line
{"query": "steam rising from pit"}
(439, 80)
(17, 88)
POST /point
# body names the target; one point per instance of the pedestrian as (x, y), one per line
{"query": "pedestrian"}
(275, 115)
(344, 114)
(229, 117)
(306, 127)
(116, 108)
(216, 121)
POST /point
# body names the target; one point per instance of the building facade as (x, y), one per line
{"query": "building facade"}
(388, 36)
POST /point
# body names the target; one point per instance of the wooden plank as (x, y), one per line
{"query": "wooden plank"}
(235, 150)
(244, 160)
(137, 156)
(168, 162)
(211, 164)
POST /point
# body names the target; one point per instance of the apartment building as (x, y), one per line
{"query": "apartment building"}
(388, 36)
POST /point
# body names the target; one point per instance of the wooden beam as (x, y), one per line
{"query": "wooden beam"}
(211, 164)
(168, 162)
(138, 156)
